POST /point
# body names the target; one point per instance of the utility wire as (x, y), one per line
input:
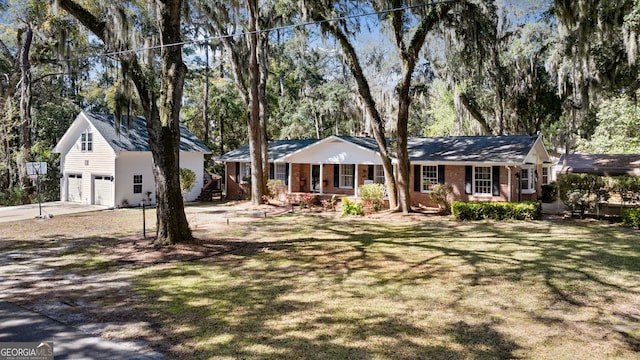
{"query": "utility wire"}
(283, 27)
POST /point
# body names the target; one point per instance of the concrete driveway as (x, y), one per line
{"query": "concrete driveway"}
(49, 209)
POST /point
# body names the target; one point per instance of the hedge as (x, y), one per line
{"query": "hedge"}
(478, 210)
(631, 217)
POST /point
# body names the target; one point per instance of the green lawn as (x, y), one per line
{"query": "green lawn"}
(300, 286)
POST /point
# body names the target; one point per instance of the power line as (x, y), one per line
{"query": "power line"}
(283, 27)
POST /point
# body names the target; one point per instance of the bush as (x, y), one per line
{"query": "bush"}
(478, 210)
(351, 207)
(631, 217)
(307, 200)
(276, 189)
(581, 192)
(440, 196)
(187, 180)
(372, 194)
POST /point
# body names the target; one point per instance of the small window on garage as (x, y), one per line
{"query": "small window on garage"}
(137, 184)
(86, 141)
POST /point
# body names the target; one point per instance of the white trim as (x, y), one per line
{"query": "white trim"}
(328, 139)
(473, 179)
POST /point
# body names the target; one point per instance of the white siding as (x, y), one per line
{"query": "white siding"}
(335, 152)
(99, 161)
(129, 164)
(195, 162)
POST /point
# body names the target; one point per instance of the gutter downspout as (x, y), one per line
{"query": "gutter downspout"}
(509, 182)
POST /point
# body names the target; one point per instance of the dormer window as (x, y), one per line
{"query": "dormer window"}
(86, 141)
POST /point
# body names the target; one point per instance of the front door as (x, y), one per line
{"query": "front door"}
(315, 178)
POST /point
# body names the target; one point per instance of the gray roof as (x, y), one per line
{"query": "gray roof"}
(601, 164)
(495, 149)
(135, 137)
(368, 143)
(277, 149)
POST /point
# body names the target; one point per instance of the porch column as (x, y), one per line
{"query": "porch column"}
(290, 177)
(355, 181)
(321, 177)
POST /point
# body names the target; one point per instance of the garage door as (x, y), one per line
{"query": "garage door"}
(102, 190)
(74, 188)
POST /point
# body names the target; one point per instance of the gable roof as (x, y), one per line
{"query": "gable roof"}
(136, 137)
(133, 137)
(508, 149)
(276, 148)
(511, 149)
(601, 164)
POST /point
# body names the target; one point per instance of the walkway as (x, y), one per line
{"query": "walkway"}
(18, 324)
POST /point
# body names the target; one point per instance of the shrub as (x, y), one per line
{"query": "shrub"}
(631, 217)
(372, 194)
(329, 204)
(307, 200)
(581, 192)
(478, 210)
(187, 180)
(275, 188)
(439, 195)
(351, 207)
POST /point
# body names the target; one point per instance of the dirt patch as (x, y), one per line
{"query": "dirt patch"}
(145, 252)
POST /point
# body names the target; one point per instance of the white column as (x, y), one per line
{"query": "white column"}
(288, 165)
(321, 177)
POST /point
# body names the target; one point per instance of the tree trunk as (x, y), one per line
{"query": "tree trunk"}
(404, 101)
(163, 122)
(255, 133)
(205, 95)
(365, 92)
(25, 102)
(263, 55)
(172, 225)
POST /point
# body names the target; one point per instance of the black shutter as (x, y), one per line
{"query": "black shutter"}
(440, 174)
(353, 177)
(336, 175)
(495, 180)
(286, 174)
(468, 179)
(370, 172)
(238, 172)
(272, 171)
(416, 178)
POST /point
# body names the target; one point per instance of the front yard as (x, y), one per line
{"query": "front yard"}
(315, 287)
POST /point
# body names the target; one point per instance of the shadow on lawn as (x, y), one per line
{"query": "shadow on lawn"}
(345, 289)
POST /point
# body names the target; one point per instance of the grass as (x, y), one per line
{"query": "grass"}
(300, 286)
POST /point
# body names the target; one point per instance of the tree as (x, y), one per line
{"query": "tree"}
(409, 27)
(591, 58)
(249, 55)
(618, 129)
(160, 100)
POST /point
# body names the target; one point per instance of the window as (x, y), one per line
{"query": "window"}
(245, 172)
(545, 175)
(86, 141)
(526, 180)
(346, 176)
(429, 177)
(482, 180)
(280, 171)
(378, 174)
(137, 184)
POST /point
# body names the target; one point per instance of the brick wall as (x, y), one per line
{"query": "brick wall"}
(454, 175)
